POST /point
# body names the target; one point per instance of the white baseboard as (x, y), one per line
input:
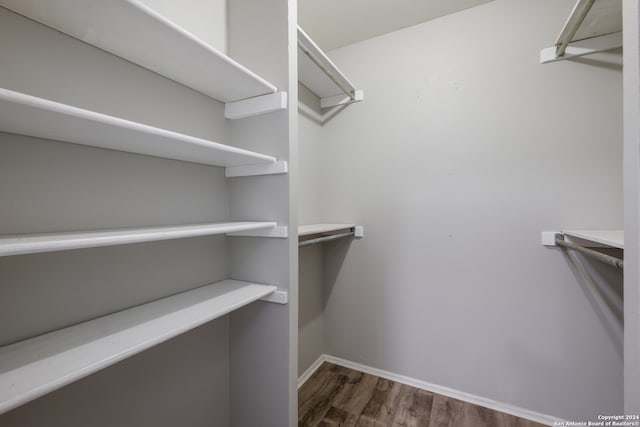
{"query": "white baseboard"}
(434, 388)
(311, 370)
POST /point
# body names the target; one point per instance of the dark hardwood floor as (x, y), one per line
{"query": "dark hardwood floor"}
(337, 396)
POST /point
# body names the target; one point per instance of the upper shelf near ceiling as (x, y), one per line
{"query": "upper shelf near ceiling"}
(321, 76)
(133, 31)
(593, 26)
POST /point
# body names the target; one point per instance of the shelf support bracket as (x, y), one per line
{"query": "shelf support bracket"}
(333, 101)
(255, 106)
(278, 297)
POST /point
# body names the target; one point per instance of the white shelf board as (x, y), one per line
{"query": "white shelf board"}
(604, 17)
(599, 31)
(34, 367)
(613, 238)
(29, 115)
(309, 229)
(313, 77)
(279, 232)
(135, 32)
(49, 242)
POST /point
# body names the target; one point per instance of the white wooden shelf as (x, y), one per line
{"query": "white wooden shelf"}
(310, 229)
(133, 31)
(592, 26)
(50, 242)
(612, 238)
(29, 115)
(322, 77)
(34, 367)
(604, 17)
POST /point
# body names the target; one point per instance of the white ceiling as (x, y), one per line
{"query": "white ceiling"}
(337, 23)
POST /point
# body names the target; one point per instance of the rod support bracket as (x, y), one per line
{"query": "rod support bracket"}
(549, 238)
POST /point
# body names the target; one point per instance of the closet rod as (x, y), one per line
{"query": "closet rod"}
(325, 239)
(607, 259)
(348, 91)
(570, 28)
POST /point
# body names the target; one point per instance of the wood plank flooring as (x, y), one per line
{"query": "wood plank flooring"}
(337, 396)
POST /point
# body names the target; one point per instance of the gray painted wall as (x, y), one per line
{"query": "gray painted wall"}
(311, 333)
(463, 151)
(309, 156)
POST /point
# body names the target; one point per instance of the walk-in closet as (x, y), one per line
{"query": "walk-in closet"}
(319, 213)
(483, 159)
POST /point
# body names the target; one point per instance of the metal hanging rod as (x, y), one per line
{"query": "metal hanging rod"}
(570, 28)
(607, 259)
(325, 239)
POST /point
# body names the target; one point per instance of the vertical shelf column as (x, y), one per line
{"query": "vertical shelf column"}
(263, 338)
(631, 99)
